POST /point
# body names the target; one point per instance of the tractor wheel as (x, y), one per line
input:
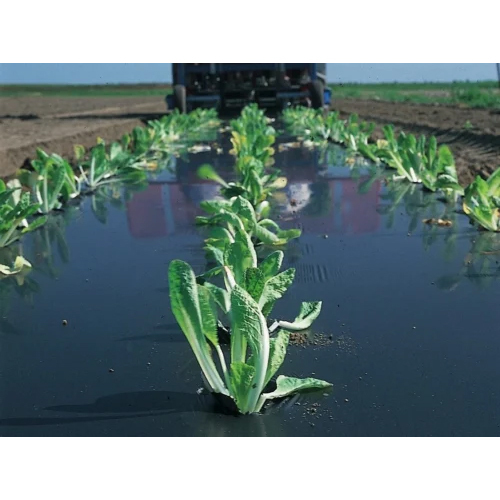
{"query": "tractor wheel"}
(180, 98)
(317, 93)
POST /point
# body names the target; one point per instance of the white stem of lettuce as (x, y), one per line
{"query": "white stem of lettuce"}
(222, 364)
(274, 326)
(204, 360)
(45, 195)
(213, 378)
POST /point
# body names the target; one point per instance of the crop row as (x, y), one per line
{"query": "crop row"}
(415, 160)
(53, 182)
(238, 305)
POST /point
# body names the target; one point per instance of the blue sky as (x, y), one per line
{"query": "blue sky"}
(157, 73)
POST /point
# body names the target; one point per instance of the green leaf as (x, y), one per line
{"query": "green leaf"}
(219, 237)
(249, 326)
(215, 253)
(241, 377)
(289, 234)
(277, 353)
(432, 148)
(79, 151)
(264, 235)
(309, 311)
(234, 222)
(233, 190)
(254, 184)
(220, 295)
(274, 289)
(207, 172)
(215, 206)
(208, 314)
(445, 157)
(244, 238)
(269, 224)
(286, 386)
(24, 208)
(494, 183)
(57, 180)
(115, 150)
(38, 222)
(271, 265)
(184, 300)
(245, 210)
(240, 256)
(254, 282)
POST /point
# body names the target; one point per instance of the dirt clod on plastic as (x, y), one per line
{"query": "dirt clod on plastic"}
(305, 339)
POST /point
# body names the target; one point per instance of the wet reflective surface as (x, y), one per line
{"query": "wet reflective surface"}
(408, 334)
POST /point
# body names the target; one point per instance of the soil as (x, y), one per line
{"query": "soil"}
(55, 124)
(476, 149)
(305, 339)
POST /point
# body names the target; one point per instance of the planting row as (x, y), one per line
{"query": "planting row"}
(415, 160)
(52, 183)
(233, 300)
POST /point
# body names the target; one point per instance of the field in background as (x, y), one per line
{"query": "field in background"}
(474, 94)
(85, 90)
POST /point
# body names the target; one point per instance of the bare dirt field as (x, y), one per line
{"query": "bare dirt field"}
(473, 134)
(57, 123)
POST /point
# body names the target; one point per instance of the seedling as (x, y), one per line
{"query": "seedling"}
(255, 357)
(482, 201)
(15, 208)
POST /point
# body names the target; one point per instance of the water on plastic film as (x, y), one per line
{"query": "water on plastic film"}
(407, 334)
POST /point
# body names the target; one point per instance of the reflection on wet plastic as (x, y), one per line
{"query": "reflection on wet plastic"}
(409, 311)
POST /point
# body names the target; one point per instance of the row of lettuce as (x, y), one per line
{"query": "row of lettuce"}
(53, 182)
(231, 302)
(416, 160)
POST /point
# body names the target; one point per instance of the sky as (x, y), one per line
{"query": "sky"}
(100, 73)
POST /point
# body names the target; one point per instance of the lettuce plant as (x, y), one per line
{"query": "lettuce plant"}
(482, 201)
(105, 167)
(255, 357)
(15, 208)
(439, 172)
(252, 139)
(402, 155)
(251, 186)
(174, 131)
(323, 128)
(356, 133)
(239, 214)
(52, 181)
(298, 119)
